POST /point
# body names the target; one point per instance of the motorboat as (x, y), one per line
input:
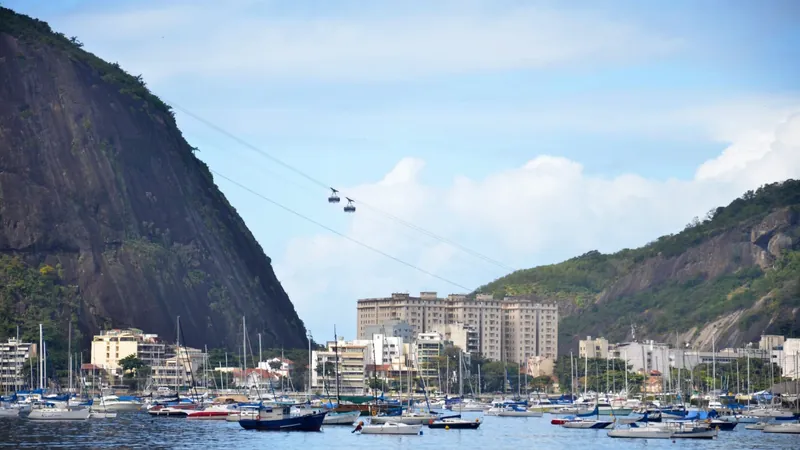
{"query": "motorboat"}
(112, 403)
(783, 428)
(213, 412)
(756, 426)
(172, 410)
(512, 409)
(689, 431)
(280, 418)
(722, 425)
(389, 428)
(455, 424)
(341, 418)
(49, 411)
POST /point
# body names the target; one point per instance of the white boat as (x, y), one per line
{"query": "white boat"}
(512, 409)
(389, 428)
(48, 411)
(102, 415)
(741, 418)
(112, 403)
(783, 428)
(586, 424)
(773, 413)
(756, 426)
(9, 412)
(341, 418)
(641, 433)
(407, 418)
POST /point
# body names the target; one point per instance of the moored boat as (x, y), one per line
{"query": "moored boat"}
(49, 411)
(455, 424)
(280, 419)
(586, 424)
(341, 418)
(783, 428)
(392, 428)
(641, 433)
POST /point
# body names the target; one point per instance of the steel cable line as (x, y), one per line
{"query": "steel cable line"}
(340, 234)
(327, 187)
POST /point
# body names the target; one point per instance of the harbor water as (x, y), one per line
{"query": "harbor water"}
(139, 430)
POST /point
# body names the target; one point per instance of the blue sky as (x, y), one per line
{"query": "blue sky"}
(528, 131)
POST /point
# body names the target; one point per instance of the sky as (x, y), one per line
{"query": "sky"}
(476, 137)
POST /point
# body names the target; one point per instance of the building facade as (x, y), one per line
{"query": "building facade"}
(512, 329)
(110, 346)
(593, 348)
(347, 358)
(460, 335)
(393, 328)
(428, 348)
(14, 355)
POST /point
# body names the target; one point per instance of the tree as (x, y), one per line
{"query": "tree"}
(74, 40)
(131, 365)
(275, 364)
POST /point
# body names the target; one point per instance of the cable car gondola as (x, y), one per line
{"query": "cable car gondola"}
(334, 198)
(349, 207)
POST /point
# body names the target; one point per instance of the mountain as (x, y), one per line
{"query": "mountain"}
(735, 275)
(107, 217)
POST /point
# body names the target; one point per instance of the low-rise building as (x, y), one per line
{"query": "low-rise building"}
(180, 369)
(539, 366)
(348, 359)
(110, 346)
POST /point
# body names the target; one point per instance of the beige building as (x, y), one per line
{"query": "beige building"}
(353, 358)
(460, 335)
(770, 341)
(539, 366)
(110, 346)
(181, 369)
(593, 348)
(512, 329)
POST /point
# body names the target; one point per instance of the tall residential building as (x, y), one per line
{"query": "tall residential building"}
(429, 347)
(512, 329)
(110, 346)
(593, 348)
(14, 355)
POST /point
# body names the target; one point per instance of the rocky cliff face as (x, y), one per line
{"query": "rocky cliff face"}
(734, 276)
(100, 192)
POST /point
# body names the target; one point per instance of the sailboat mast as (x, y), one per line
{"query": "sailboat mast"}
(308, 388)
(41, 357)
(714, 364)
(585, 374)
(244, 353)
(748, 373)
(336, 356)
(571, 375)
(625, 355)
(460, 376)
(69, 352)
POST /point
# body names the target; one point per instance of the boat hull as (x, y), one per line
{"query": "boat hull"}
(456, 425)
(344, 418)
(308, 422)
(515, 413)
(588, 425)
(392, 429)
(792, 428)
(77, 414)
(408, 420)
(208, 415)
(9, 412)
(640, 434)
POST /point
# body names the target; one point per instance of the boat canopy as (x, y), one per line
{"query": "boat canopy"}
(359, 399)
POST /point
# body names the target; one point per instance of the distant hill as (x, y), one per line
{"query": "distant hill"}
(737, 272)
(107, 218)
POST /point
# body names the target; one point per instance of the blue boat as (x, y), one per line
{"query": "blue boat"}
(280, 418)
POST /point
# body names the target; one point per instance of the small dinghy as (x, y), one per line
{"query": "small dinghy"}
(389, 428)
(455, 424)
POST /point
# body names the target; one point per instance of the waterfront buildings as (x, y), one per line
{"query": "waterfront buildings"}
(389, 328)
(110, 346)
(350, 363)
(460, 335)
(14, 356)
(511, 329)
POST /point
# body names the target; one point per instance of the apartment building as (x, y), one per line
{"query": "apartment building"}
(428, 348)
(110, 346)
(593, 348)
(460, 335)
(529, 329)
(512, 329)
(180, 369)
(353, 358)
(14, 355)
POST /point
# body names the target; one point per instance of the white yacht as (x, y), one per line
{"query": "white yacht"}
(112, 403)
(49, 411)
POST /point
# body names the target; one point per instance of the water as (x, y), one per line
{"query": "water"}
(138, 430)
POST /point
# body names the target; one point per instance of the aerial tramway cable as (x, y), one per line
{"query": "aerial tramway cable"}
(334, 197)
(355, 241)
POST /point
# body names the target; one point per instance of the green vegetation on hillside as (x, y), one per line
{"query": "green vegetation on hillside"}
(47, 300)
(577, 284)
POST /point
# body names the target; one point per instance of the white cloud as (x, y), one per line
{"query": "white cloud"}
(543, 212)
(235, 40)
